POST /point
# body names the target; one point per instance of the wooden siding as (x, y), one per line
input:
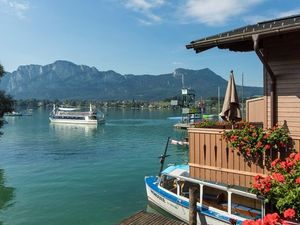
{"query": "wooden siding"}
(256, 110)
(210, 159)
(283, 56)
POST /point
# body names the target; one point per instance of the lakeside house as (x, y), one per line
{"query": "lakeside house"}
(276, 44)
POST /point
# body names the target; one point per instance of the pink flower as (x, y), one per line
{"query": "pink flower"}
(278, 177)
(289, 213)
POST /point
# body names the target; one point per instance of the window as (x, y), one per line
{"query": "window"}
(213, 197)
(245, 207)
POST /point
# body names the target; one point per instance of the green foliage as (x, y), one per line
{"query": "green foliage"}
(206, 124)
(6, 101)
(282, 186)
(2, 72)
(252, 141)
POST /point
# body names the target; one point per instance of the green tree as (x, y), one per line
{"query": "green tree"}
(6, 101)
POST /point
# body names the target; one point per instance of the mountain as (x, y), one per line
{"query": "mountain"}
(66, 80)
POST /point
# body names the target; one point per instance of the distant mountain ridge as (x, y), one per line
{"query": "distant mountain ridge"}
(66, 80)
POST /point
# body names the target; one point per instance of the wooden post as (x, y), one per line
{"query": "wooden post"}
(193, 205)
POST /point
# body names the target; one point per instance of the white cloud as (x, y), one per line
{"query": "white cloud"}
(143, 5)
(289, 13)
(177, 63)
(216, 12)
(271, 15)
(15, 7)
(257, 18)
(145, 8)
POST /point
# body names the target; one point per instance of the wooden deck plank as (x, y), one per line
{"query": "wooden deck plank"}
(143, 218)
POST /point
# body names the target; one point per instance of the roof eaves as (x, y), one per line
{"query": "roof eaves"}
(242, 34)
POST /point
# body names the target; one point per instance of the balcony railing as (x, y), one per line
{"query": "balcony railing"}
(211, 159)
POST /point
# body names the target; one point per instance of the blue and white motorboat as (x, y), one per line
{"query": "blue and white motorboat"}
(216, 203)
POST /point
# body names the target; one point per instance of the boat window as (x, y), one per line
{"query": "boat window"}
(213, 197)
(184, 189)
(245, 207)
(169, 183)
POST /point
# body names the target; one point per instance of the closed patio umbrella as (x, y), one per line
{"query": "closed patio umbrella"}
(231, 107)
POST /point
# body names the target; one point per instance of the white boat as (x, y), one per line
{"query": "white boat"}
(75, 116)
(13, 113)
(188, 120)
(182, 143)
(216, 204)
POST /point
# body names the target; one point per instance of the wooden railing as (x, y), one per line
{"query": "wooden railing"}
(211, 159)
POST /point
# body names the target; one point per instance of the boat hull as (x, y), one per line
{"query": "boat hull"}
(179, 207)
(70, 121)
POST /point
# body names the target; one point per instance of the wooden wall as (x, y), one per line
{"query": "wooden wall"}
(283, 55)
(256, 110)
(210, 159)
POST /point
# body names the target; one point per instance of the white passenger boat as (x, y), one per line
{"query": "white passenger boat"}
(75, 116)
(216, 203)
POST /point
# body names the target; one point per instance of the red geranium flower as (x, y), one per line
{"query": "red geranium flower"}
(274, 163)
(283, 165)
(271, 219)
(297, 156)
(278, 177)
(298, 180)
(292, 155)
(289, 213)
(267, 146)
(249, 222)
(234, 138)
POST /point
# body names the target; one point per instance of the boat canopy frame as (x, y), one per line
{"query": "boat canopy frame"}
(229, 191)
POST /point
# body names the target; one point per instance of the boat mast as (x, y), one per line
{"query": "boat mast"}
(162, 157)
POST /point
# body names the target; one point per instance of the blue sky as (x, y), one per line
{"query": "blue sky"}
(132, 36)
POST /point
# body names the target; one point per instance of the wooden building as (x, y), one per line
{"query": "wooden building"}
(277, 45)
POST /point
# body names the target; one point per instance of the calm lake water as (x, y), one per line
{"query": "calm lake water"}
(66, 174)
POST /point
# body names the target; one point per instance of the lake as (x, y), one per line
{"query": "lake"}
(67, 174)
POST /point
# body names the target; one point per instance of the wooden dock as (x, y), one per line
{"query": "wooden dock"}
(143, 218)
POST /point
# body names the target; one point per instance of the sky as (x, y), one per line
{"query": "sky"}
(132, 36)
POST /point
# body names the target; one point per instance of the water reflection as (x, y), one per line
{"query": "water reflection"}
(6, 194)
(71, 129)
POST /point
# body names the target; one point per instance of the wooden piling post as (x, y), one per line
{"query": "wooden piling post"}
(193, 205)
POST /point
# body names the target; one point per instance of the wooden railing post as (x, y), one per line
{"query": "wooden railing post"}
(193, 205)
